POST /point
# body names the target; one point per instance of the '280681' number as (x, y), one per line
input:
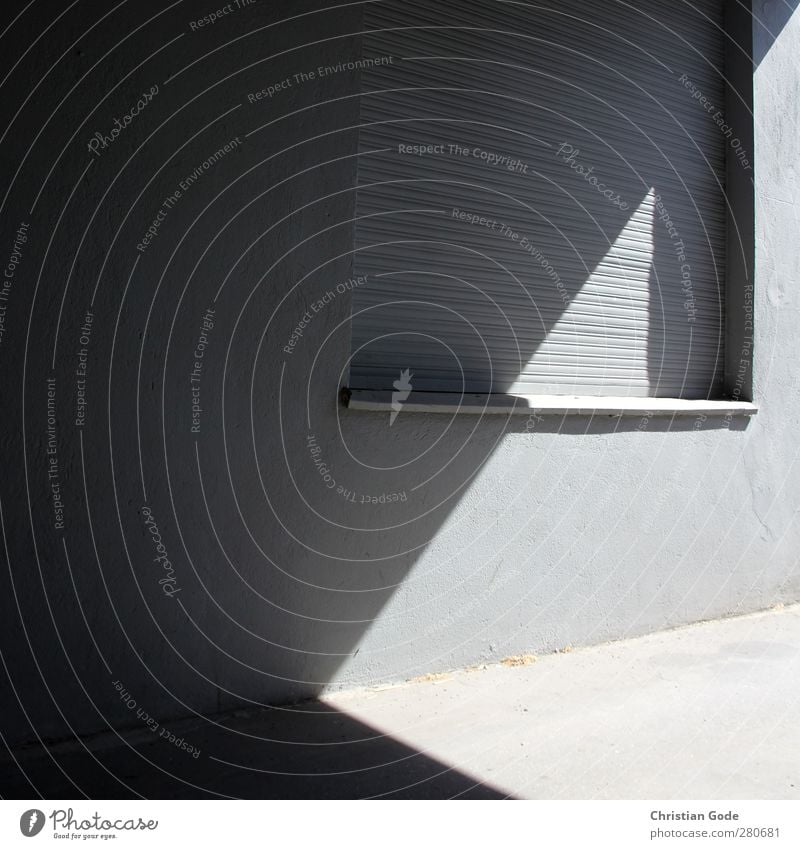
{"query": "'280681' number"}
(758, 832)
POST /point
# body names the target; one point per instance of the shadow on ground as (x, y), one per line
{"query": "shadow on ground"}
(307, 751)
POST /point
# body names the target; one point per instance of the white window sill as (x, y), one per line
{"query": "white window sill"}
(582, 405)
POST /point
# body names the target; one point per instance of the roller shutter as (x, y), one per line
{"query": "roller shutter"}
(540, 203)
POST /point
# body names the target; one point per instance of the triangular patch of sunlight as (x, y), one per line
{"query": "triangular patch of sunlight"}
(601, 336)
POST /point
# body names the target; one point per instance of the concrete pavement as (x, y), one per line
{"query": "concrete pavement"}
(710, 711)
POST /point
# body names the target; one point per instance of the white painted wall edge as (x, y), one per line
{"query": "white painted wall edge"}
(585, 405)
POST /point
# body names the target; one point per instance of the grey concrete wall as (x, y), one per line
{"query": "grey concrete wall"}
(304, 551)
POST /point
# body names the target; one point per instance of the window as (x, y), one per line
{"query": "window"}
(543, 200)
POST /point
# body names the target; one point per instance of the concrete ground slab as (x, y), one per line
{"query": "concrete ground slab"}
(703, 712)
(711, 711)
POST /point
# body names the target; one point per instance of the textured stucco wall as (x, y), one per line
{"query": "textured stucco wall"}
(533, 535)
